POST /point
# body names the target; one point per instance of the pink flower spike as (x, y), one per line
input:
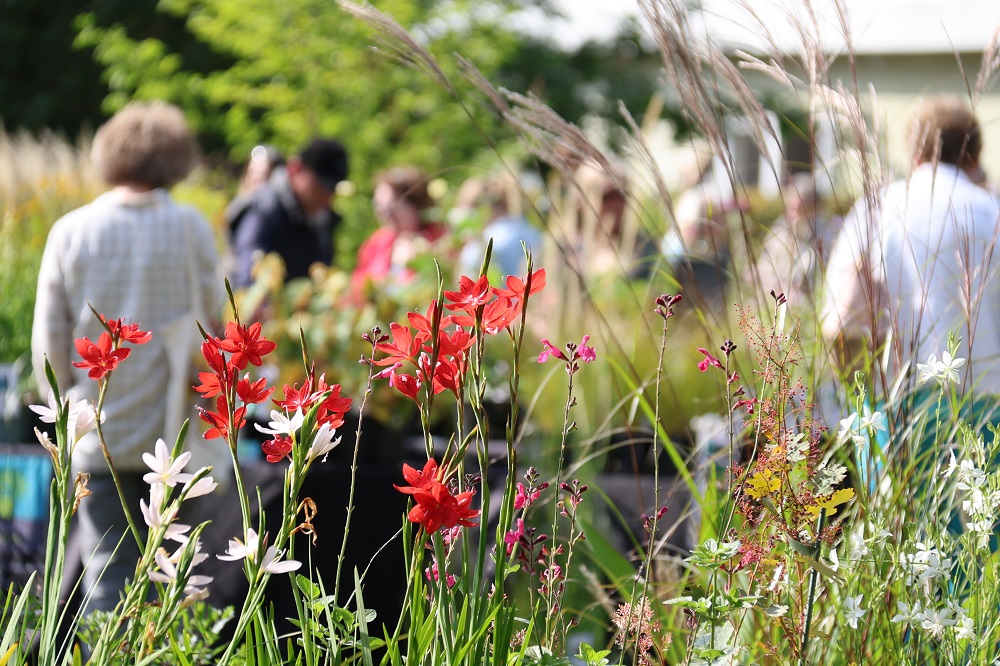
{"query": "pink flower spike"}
(709, 360)
(588, 354)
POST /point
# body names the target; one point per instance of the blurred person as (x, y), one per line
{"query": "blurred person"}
(290, 214)
(697, 248)
(506, 228)
(792, 252)
(403, 206)
(916, 263)
(135, 253)
(607, 243)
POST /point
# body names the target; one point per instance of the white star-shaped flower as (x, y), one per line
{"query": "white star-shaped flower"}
(281, 424)
(166, 470)
(239, 550)
(853, 610)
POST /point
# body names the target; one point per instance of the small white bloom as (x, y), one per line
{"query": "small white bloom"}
(281, 424)
(947, 369)
(928, 371)
(275, 565)
(156, 517)
(323, 442)
(168, 574)
(965, 629)
(858, 546)
(936, 620)
(952, 465)
(202, 486)
(853, 610)
(846, 430)
(48, 413)
(238, 549)
(166, 470)
(834, 560)
(872, 420)
(907, 614)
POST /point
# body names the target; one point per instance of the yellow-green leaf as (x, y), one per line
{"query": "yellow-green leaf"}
(831, 503)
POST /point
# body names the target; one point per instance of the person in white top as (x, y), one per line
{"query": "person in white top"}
(132, 253)
(918, 259)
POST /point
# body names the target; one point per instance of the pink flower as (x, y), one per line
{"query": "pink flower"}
(709, 360)
(574, 353)
(550, 350)
(523, 499)
(513, 536)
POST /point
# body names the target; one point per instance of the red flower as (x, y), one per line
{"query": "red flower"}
(418, 479)
(210, 350)
(219, 419)
(405, 384)
(471, 295)
(253, 392)
(100, 358)
(127, 332)
(709, 360)
(334, 406)
(245, 344)
(210, 385)
(301, 399)
(518, 289)
(423, 323)
(277, 449)
(436, 507)
(497, 316)
(402, 348)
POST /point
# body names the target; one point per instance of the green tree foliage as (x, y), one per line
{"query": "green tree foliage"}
(47, 82)
(305, 67)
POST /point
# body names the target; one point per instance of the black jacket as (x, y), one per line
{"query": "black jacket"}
(271, 220)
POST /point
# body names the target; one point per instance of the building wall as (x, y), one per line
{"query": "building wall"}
(901, 81)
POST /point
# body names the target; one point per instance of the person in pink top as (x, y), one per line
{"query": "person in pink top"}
(402, 204)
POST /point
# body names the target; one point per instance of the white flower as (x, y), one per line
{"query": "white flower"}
(834, 560)
(156, 517)
(925, 564)
(81, 419)
(965, 629)
(86, 421)
(238, 549)
(270, 563)
(281, 424)
(907, 614)
(202, 486)
(935, 621)
(166, 470)
(928, 371)
(168, 574)
(872, 420)
(943, 371)
(323, 442)
(854, 611)
(846, 428)
(275, 565)
(858, 546)
(48, 413)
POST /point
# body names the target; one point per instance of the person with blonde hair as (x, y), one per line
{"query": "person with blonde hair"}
(132, 253)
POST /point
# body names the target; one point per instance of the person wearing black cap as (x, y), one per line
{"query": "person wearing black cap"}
(291, 214)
